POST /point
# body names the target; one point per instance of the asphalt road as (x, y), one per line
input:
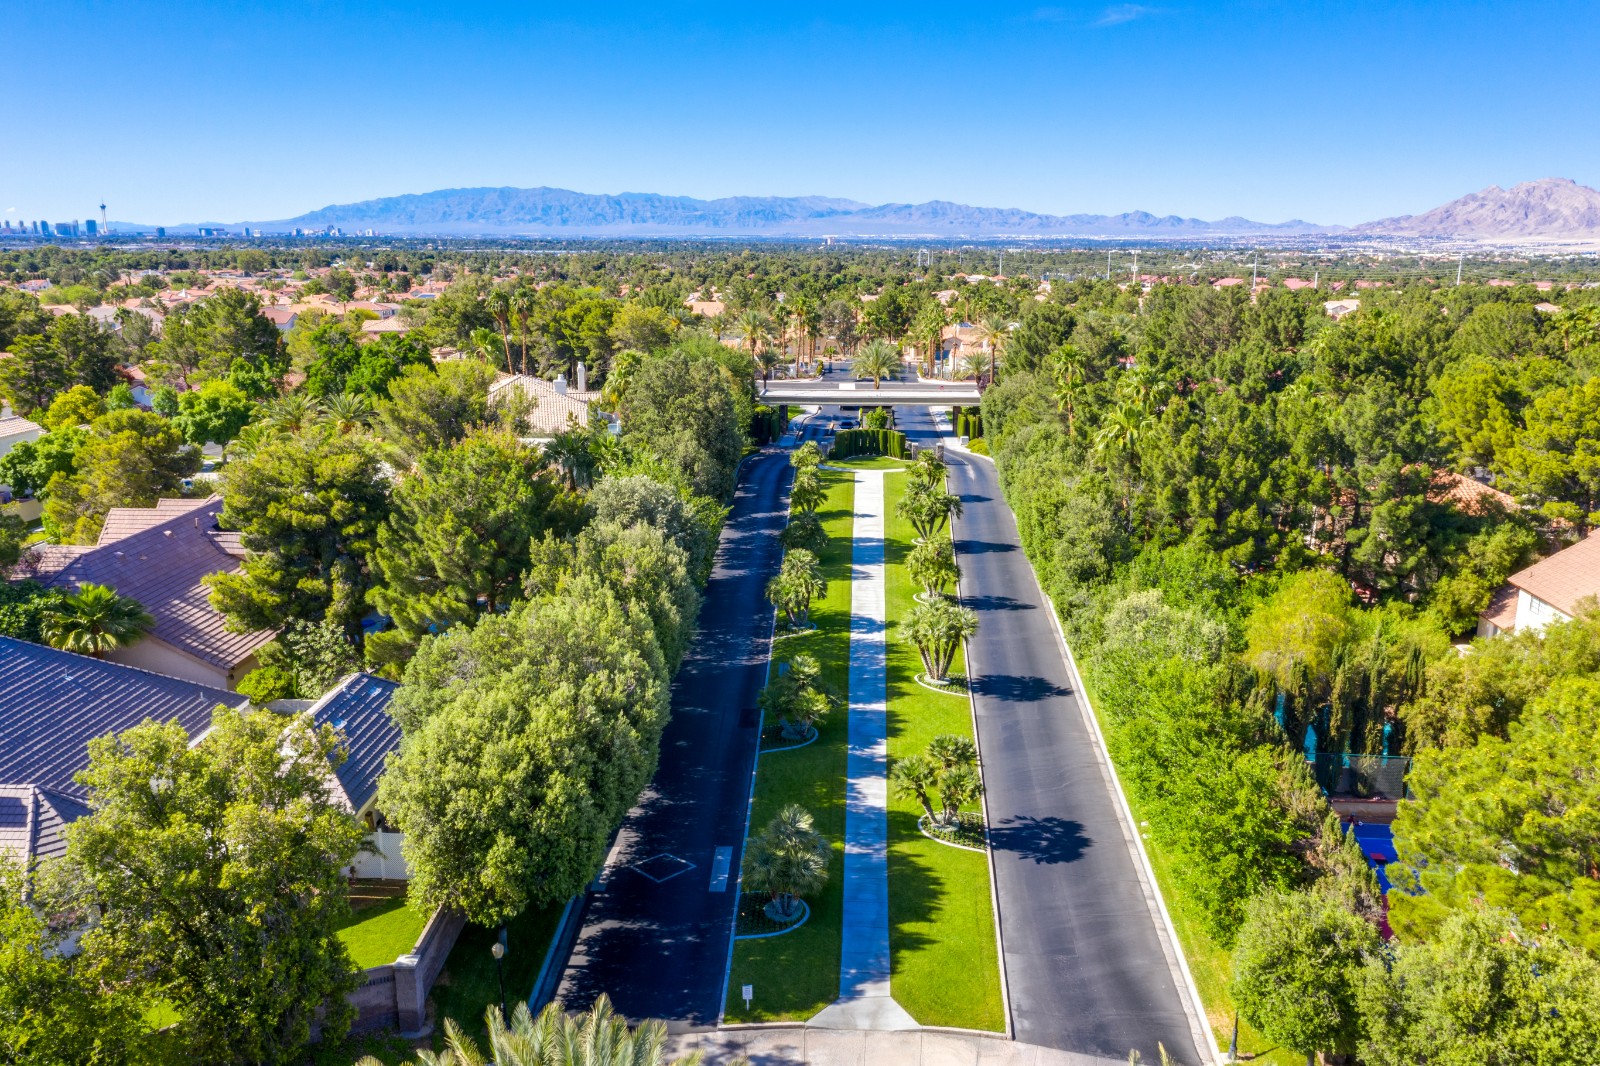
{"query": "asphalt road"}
(1084, 961)
(655, 937)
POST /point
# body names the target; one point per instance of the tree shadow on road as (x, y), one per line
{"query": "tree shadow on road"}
(995, 603)
(1047, 841)
(1011, 688)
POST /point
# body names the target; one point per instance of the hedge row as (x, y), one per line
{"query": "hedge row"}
(967, 422)
(767, 424)
(852, 442)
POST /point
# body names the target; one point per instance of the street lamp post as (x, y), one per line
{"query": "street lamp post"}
(498, 950)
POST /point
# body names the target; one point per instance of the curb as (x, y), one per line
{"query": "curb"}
(560, 947)
(1206, 1042)
(972, 711)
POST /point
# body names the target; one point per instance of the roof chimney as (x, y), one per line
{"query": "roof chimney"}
(583, 378)
(560, 384)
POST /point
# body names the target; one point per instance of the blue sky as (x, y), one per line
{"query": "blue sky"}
(1330, 112)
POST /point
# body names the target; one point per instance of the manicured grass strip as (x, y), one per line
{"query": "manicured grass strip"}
(377, 935)
(797, 974)
(942, 944)
(468, 983)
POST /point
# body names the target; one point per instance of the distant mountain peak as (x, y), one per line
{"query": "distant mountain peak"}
(544, 211)
(1545, 209)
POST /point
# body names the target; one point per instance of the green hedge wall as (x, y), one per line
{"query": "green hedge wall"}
(849, 443)
(967, 422)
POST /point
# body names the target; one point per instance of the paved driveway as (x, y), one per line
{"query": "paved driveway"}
(655, 938)
(1086, 967)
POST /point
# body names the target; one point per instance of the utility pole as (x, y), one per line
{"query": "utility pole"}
(1316, 276)
(1002, 262)
(1136, 269)
(1255, 272)
(1108, 266)
(1460, 258)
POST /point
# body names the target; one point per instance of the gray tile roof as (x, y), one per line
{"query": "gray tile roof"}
(358, 707)
(158, 555)
(52, 703)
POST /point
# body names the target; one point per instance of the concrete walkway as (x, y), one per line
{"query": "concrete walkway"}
(791, 1046)
(864, 1001)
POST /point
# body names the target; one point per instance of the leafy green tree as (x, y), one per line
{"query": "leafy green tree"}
(95, 620)
(642, 328)
(77, 406)
(1509, 822)
(20, 315)
(206, 339)
(683, 409)
(799, 580)
(787, 861)
(1483, 989)
(23, 606)
(878, 359)
(932, 564)
(938, 630)
(194, 852)
(648, 571)
(33, 375)
(1477, 572)
(30, 464)
(527, 739)
(1296, 971)
(426, 410)
(308, 510)
(804, 532)
(456, 541)
(692, 524)
(55, 1010)
(1555, 460)
(1300, 626)
(807, 456)
(305, 660)
(215, 412)
(130, 458)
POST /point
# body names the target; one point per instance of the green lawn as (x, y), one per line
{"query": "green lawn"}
(797, 974)
(945, 957)
(468, 983)
(381, 933)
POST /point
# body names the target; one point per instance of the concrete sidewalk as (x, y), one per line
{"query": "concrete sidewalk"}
(864, 1001)
(791, 1046)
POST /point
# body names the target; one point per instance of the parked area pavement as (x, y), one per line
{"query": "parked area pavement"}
(792, 1045)
(655, 937)
(864, 996)
(1088, 965)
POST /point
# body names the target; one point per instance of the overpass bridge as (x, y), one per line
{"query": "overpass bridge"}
(854, 393)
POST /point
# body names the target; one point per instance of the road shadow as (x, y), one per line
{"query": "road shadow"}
(982, 547)
(995, 603)
(1010, 688)
(1047, 841)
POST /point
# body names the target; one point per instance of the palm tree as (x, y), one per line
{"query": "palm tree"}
(993, 332)
(798, 581)
(932, 564)
(1143, 386)
(927, 470)
(251, 441)
(1119, 439)
(958, 786)
(1071, 372)
(951, 750)
(928, 509)
(755, 326)
(806, 457)
(498, 304)
(976, 365)
(878, 360)
(927, 331)
(795, 697)
(937, 629)
(806, 493)
(486, 345)
(348, 412)
(291, 414)
(787, 861)
(915, 777)
(94, 620)
(596, 1037)
(522, 306)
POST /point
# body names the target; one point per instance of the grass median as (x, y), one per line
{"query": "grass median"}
(943, 949)
(797, 974)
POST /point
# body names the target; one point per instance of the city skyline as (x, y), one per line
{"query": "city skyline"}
(1336, 118)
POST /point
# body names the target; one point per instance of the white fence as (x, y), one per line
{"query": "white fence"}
(386, 861)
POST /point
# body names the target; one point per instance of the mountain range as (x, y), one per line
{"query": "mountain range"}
(1550, 208)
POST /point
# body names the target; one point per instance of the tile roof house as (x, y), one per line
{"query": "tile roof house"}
(158, 555)
(14, 429)
(556, 407)
(52, 703)
(358, 707)
(1548, 591)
